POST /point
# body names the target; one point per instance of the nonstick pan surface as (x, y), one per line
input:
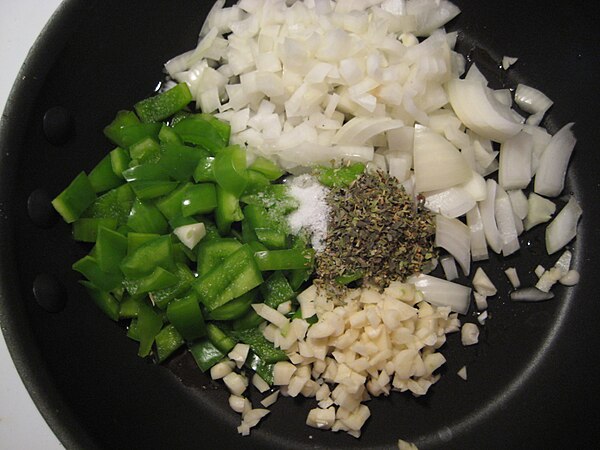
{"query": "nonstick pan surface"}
(533, 377)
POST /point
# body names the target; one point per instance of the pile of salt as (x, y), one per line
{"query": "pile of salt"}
(313, 211)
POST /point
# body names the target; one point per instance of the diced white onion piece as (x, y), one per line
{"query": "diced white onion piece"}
(452, 202)
(480, 301)
(437, 163)
(462, 372)
(239, 353)
(260, 384)
(476, 106)
(503, 96)
(548, 279)
(513, 277)
(236, 383)
(399, 166)
(539, 210)
(505, 221)
(270, 399)
(530, 294)
(221, 369)
(449, 266)
(270, 314)
(564, 226)
(252, 417)
(487, 208)
(455, 237)
(508, 61)
(531, 100)
(570, 279)
(550, 175)
(191, 234)
(237, 403)
(539, 271)
(282, 373)
(443, 293)
(479, 250)
(358, 130)
(563, 264)
(405, 445)
(481, 318)
(475, 186)
(518, 201)
(515, 162)
(469, 334)
(483, 284)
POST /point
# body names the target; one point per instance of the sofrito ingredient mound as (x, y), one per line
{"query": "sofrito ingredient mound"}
(376, 233)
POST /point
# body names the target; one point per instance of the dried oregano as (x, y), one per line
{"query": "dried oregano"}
(376, 231)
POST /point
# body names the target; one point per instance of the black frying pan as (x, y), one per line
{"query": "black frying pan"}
(532, 379)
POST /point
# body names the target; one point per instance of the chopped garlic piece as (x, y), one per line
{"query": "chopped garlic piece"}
(483, 284)
(462, 373)
(469, 334)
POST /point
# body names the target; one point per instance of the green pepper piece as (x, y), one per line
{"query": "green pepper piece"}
(132, 330)
(85, 229)
(260, 367)
(111, 248)
(119, 161)
(276, 290)
(248, 320)
(165, 104)
(230, 171)
(158, 279)
(146, 150)
(294, 258)
(237, 275)
(340, 177)
(149, 189)
(228, 210)
(149, 324)
(105, 281)
(186, 316)
(234, 309)
(157, 252)
(75, 199)
(219, 338)
(264, 349)
(126, 133)
(223, 128)
(206, 354)
(268, 230)
(145, 172)
(185, 277)
(267, 168)
(170, 205)
(204, 170)
(102, 178)
(115, 204)
(104, 300)
(298, 277)
(167, 341)
(135, 240)
(180, 161)
(129, 307)
(199, 199)
(257, 184)
(212, 253)
(166, 135)
(198, 131)
(146, 218)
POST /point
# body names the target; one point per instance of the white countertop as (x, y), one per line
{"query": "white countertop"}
(21, 424)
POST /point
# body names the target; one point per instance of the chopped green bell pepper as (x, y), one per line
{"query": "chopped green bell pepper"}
(85, 229)
(165, 104)
(149, 324)
(75, 199)
(234, 309)
(167, 341)
(145, 217)
(153, 253)
(206, 354)
(264, 349)
(186, 316)
(199, 199)
(293, 258)
(180, 161)
(219, 338)
(102, 177)
(276, 290)
(111, 248)
(267, 167)
(230, 171)
(104, 300)
(105, 281)
(212, 253)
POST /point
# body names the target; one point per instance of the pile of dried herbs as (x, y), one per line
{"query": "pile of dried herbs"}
(375, 233)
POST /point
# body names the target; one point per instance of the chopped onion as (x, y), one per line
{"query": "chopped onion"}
(482, 283)
(480, 301)
(550, 175)
(452, 202)
(531, 100)
(443, 293)
(476, 106)
(508, 61)
(570, 279)
(462, 372)
(505, 220)
(530, 294)
(437, 163)
(479, 250)
(449, 266)
(469, 334)
(539, 210)
(487, 208)
(518, 201)
(515, 162)
(564, 226)
(455, 237)
(513, 277)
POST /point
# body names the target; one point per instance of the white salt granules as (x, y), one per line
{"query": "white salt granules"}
(313, 211)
